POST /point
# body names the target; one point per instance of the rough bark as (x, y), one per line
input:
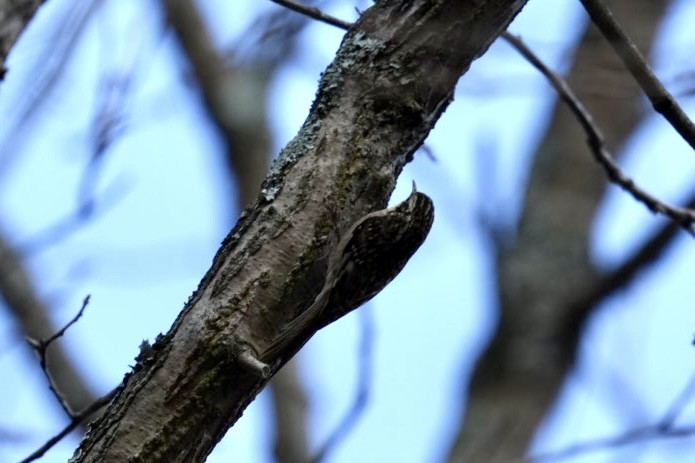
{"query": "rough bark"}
(393, 76)
(547, 270)
(21, 298)
(236, 100)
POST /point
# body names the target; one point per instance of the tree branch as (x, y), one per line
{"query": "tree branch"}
(236, 95)
(315, 13)
(19, 295)
(41, 346)
(661, 99)
(682, 216)
(390, 81)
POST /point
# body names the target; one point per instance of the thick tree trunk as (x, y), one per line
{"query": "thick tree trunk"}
(393, 76)
(236, 100)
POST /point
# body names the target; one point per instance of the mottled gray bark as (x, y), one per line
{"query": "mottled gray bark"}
(235, 95)
(393, 76)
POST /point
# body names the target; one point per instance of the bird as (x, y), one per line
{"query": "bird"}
(368, 256)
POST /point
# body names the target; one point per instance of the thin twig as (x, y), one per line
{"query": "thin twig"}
(313, 12)
(61, 332)
(662, 101)
(683, 216)
(74, 423)
(41, 346)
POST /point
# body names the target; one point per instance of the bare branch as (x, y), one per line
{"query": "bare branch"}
(19, 295)
(662, 101)
(683, 216)
(315, 13)
(41, 346)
